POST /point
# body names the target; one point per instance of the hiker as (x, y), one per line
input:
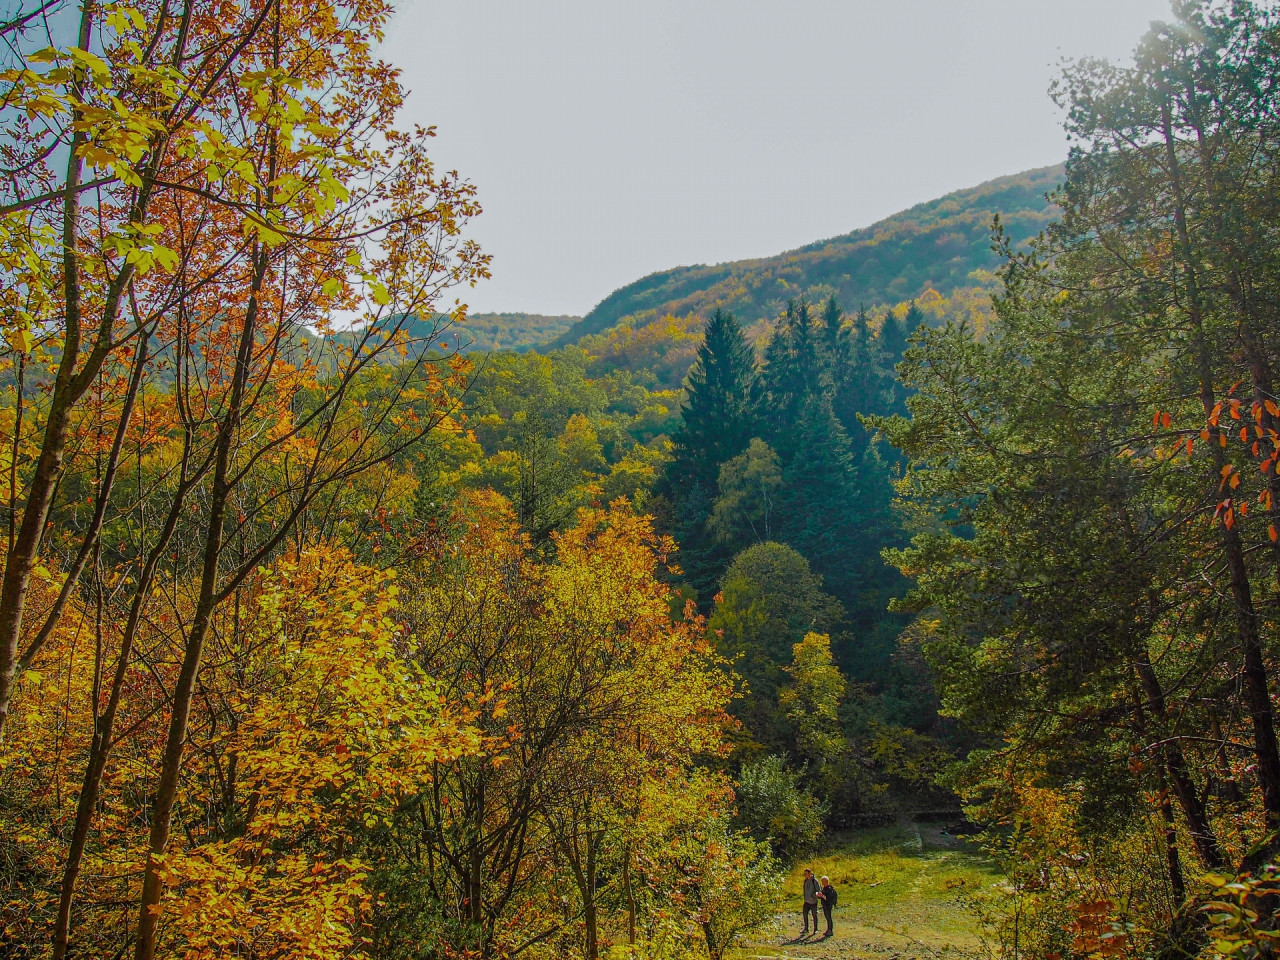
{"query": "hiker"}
(828, 897)
(811, 889)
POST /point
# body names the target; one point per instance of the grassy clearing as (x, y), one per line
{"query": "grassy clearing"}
(902, 892)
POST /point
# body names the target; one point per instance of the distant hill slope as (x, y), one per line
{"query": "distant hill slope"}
(935, 244)
(511, 331)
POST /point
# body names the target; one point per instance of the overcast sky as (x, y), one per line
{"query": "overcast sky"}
(612, 139)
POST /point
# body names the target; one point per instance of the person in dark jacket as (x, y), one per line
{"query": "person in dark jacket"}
(828, 897)
(811, 889)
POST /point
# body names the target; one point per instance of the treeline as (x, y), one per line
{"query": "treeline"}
(1096, 559)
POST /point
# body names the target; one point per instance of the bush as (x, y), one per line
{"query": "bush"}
(773, 806)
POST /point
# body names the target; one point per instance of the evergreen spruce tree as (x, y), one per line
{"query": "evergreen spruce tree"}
(893, 341)
(835, 342)
(893, 337)
(718, 417)
(866, 386)
(717, 423)
(791, 374)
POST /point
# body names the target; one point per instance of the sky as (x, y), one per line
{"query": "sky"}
(611, 139)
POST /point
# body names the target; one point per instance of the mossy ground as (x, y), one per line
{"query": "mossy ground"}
(905, 891)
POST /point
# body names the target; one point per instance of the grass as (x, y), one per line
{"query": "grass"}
(902, 892)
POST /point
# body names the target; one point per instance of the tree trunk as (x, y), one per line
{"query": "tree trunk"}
(589, 900)
(631, 896)
(171, 770)
(100, 746)
(25, 549)
(1177, 885)
(1255, 671)
(1175, 763)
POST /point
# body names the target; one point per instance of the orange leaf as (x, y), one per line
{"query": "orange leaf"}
(1167, 420)
(1271, 532)
(1272, 408)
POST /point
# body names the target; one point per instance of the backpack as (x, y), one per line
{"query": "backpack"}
(829, 895)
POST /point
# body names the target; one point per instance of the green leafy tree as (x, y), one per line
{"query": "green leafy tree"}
(773, 805)
(1103, 464)
(812, 700)
(769, 600)
(746, 510)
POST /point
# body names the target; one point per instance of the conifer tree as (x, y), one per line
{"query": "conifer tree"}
(866, 386)
(820, 509)
(790, 376)
(718, 418)
(893, 335)
(717, 423)
(835, 342)
(893, 340)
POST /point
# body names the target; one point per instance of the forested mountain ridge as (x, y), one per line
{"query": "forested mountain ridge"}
(935, 244)
(511, 331)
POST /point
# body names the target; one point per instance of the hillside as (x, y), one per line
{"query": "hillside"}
(512, 331)
(934, 244)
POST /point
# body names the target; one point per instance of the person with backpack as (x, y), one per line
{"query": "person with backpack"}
(827, 895)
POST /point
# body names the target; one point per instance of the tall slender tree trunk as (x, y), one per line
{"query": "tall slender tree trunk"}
(171, 769)
(1177, 886)
(1175, 764)
(101, 743)
(631, 896)
(589, 899)
(25, 549)
(1257, 690)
